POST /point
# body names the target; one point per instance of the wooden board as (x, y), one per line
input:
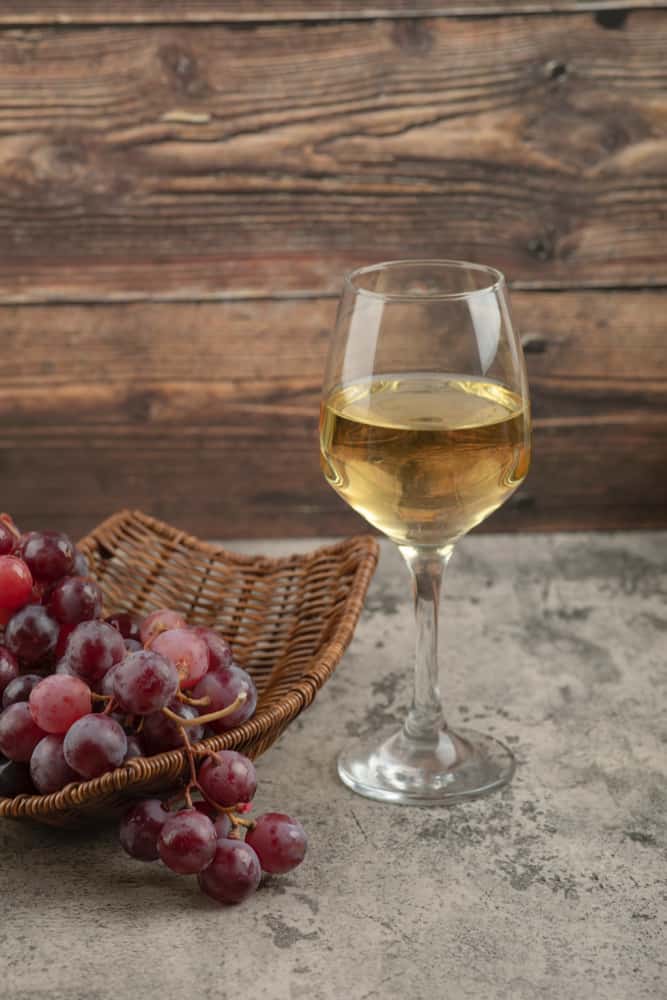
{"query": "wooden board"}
(206, 414)
(161, 11)
(205, 162)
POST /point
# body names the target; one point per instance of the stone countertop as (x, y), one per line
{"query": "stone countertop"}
(553, 888)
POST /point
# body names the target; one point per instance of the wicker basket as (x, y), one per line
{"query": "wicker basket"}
(288, 620)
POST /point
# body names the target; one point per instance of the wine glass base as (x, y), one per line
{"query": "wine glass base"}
(447, 769)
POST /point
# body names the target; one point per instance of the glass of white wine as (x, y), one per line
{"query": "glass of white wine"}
(425, 431)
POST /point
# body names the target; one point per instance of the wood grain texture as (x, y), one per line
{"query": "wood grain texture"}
(69, 12)
(187, 162)
(206, 414)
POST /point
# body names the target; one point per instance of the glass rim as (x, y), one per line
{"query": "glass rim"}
(497, 280)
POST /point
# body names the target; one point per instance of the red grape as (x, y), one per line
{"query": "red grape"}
(75, 599)
(93, 648)
(219, 651)
(187, 842)
(279, 842)
(140, 828)
(9, 668)
(105, 686)
(144, 682)
(127, 624)
(19, 734)
(14, 779)
(223, 826)
(207, 809)
(64, 633)
(159, 621)
(223, 687)
(94, 745)
(32, 635)
(15, 583)
(221, 821)
(233, 874)
(132, 645)
(160, 733)
(49, 554)
(48, 768)
(58, 701)
(134, 747)
(63, 668)
(19, 689)
(229, 779)
(80, 566)
(8, 539)
(186, 651)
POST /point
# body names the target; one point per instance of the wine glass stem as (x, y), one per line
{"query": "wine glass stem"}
(425, 720)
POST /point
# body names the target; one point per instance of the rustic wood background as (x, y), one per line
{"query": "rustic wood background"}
(182, 185)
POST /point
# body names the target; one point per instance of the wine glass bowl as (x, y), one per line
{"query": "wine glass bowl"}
(425, 431)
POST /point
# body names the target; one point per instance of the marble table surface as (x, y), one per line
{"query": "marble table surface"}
(552, 889)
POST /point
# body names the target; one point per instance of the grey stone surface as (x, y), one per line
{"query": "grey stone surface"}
(550, 890)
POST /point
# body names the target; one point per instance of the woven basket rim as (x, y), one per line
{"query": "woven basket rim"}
(216, 549)
(299, 697)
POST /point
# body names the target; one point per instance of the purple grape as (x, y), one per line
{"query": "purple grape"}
(223, 687)
(229, 779)
(63, 668)
(223, 826)
(92, 649)
(49, 555)
(134, 747)
(19, 689)
(105, 686)
(7, 540)
(14, 779)
(80, 566)
(19, 733)
(94, 745)
(140, 828)
(127, 624)
(160, 733)
(9, 667)
(233, 874)
(48, 768)
(32, 635)
(187, 842)
(221, 821)
(219, 651)
(75, 599)
(279, 842)
(144, 682)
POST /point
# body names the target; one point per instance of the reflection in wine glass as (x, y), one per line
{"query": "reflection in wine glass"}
(425, 430)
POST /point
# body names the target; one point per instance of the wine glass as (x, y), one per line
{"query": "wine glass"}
(425, 431)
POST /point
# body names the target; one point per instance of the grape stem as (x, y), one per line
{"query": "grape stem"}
(193, 701)
(202, 720)
(193, 783)
(111, 704)
(100, 697)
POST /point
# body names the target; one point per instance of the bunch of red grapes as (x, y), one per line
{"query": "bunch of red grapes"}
(82, 695)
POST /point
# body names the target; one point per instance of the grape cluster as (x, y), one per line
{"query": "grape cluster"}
(82, 695)
(203, 837)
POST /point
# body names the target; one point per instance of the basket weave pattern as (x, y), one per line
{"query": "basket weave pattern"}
(288, 620)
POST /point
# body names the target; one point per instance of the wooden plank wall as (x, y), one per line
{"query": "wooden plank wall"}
(183, 184)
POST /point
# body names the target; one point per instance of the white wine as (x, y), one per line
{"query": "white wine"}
(424, 457)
